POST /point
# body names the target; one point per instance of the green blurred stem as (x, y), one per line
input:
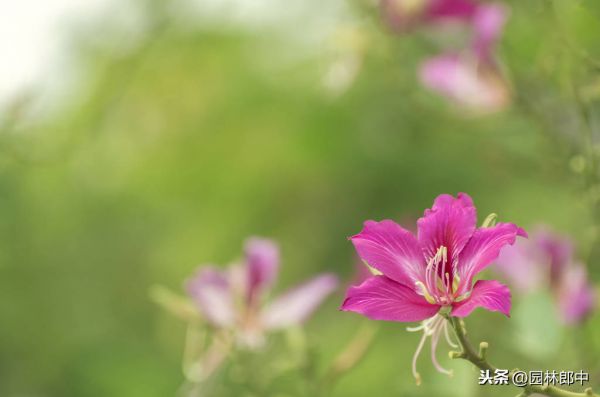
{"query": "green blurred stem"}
(479, 359)
(350, 357)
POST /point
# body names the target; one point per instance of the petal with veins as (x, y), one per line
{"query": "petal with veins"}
(449, 223)
(381, 298)
(392, 250)
(489, 294)
(483, 248)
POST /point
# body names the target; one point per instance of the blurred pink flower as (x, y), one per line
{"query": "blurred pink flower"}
(434, 270)
(547, 260)
(234, 298)
(405, 15)
(471, 78)
(576, 296)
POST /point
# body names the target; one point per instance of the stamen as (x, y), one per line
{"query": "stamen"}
(434, 327)
(425, 292)
(434, 341)
(373, 271)
(463, 296)
(416, 329)
(428, 273)
(455, 283)
(415, 356)
(490, 220)
(447, 285)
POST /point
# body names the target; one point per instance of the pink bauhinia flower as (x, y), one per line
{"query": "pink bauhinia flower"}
(547, 260)
(234, 299)
(405, 15)
(471, 78)
(430, 272)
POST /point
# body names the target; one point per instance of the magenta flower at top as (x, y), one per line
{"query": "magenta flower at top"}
(235, 299)
(431, 271)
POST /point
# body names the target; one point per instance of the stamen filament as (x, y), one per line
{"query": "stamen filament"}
(434, 341)
(415, 329)
(415, 356)
(433, 327)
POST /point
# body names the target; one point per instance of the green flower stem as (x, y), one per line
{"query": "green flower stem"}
(353, 353)
(349, 358)
(479, 359)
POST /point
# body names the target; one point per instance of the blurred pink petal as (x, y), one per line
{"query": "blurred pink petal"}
(489, 294)
(392, 250)
(522, 265)
(211, 291)
(549, 258)
(450, 223)
(262, 261)
(476, 86)
(294, 306)
(488, 24)
(230, 299)
(381, 298)
(484, 247)
(404, 15)
(557, 252)
(458, 9)
(576, 297)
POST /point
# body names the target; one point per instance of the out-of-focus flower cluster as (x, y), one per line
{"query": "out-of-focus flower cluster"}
(232, 306)
(234, 299)
(468, 76)
(547, 260)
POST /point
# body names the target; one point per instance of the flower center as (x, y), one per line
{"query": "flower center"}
(441, 281)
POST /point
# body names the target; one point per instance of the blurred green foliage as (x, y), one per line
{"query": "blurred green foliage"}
(171, 152)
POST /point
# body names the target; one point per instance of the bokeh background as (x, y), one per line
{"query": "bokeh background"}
(170, 131)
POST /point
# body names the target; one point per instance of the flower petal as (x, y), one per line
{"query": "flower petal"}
(459, 9)
(381, 298)
(405, 15)
(522, 265)
(483, 248)
(211, 291)
(576, 296)
(488, 23)
(262, 261)
(450, 223)
(392, 250)
(557, 251)
(472, 85)
(296, 305)
(489, 294)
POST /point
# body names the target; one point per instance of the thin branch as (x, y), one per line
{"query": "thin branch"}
(480, 360)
